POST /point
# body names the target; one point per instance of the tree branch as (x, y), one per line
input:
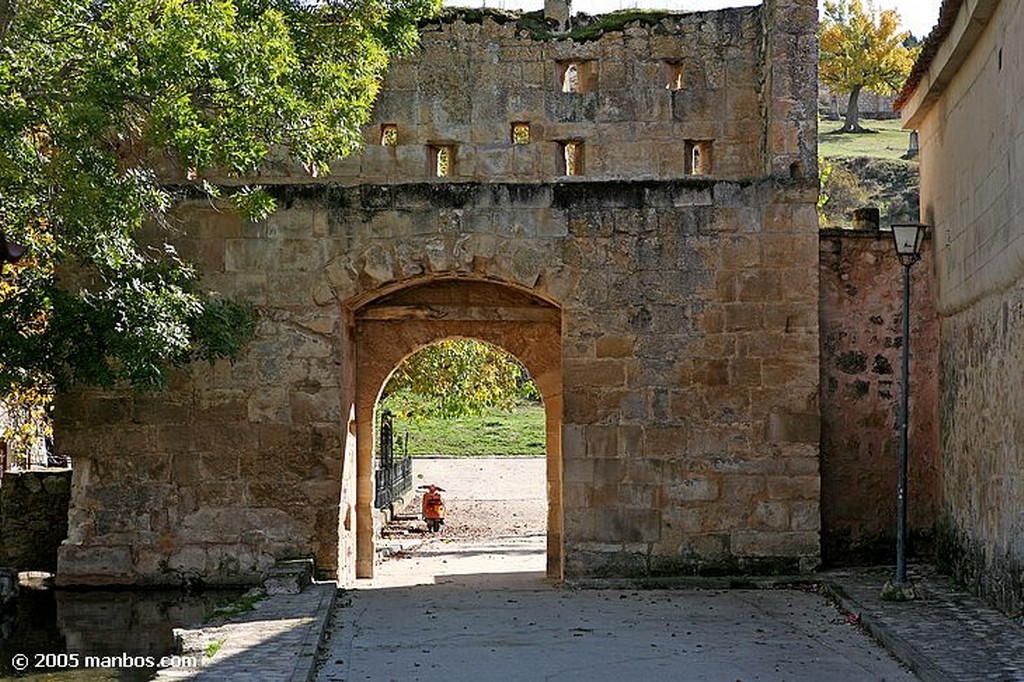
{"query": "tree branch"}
(7, 11)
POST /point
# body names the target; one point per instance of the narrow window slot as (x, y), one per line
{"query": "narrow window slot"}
(520, 133)
(673, 75)
(571, 159)
(698, 157)
(442, 160)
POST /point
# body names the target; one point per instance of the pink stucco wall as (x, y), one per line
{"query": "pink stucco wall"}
(861, 287)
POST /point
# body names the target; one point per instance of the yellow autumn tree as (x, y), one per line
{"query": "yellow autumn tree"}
(862, 48)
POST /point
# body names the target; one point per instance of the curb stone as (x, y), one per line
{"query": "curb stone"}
(899, 647)
(946, 634)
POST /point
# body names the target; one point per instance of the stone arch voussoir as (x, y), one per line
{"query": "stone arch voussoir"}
(383, 266)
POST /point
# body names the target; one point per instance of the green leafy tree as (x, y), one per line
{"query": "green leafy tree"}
(104, 104)
(457, 377)
(862, 48)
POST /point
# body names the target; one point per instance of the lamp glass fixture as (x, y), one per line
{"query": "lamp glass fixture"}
(908, 238)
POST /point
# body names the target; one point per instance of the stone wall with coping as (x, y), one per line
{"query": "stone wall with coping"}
(861, 354)
(33, 518)
(688, 316)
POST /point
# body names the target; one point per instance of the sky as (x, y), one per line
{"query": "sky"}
(918, 15)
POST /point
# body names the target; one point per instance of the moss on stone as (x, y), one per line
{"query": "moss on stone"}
(584, 27)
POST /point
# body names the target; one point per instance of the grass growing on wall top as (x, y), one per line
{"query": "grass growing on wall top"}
(584, 27)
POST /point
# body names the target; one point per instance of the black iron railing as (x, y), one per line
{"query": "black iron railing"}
(393, 471)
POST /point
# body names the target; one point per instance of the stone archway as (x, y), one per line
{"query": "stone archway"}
(391, 327)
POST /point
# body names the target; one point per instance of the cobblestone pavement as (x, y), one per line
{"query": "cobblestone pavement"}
(946, 636)
(275, 642)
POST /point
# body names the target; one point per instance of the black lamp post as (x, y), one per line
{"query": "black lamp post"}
(908, 238)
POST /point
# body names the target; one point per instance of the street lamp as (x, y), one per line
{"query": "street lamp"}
(907, 238)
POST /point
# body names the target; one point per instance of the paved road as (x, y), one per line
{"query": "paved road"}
(472, 606)
(479, 609)
(480, 619)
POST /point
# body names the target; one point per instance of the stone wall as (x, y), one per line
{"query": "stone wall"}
(685, 305)
(971, 122)
(861, 355)
(642, 92)
(871, 105)
(982, 525)
(33, 518)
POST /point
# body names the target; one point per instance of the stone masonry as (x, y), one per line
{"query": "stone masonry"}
(33, 518)
(630, 211)
(966, 99)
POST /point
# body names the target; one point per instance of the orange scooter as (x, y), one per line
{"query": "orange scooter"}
(432, 507)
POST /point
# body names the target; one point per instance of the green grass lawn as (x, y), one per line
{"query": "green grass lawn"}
(888, 142)
(495, 434)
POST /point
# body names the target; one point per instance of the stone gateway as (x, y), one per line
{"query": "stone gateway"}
(628, 208)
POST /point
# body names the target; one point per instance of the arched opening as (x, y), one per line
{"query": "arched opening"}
(391, 327)
(466, 416)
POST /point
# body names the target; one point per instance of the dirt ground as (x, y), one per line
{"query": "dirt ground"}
(485, 497)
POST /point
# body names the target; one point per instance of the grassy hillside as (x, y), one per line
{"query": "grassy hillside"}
(889, 141)
(867, 170)
(495, 434)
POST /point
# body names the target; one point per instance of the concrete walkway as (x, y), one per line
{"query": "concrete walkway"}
(277, 641)
(502, 626)
(461, 612)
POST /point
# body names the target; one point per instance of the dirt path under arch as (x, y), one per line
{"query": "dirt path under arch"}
(496, 524)
(486, 497)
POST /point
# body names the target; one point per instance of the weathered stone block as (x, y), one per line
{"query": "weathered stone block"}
(578, 471)
(602, 441)
(784, 427)
(289, 577)
(615, 346)
(692, 489)
(94, 565)
(774, 543)
(793, 487)
(771, 516)
(743, 317)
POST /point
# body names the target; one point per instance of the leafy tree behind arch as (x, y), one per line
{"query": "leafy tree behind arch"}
(457, 377)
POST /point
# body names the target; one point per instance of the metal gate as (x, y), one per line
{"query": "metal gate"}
(393, 469)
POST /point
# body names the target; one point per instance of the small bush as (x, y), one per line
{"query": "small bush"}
(845, 193)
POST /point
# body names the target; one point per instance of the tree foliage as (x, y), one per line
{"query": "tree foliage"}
(457, 377)
(103, 101)
(862, 48)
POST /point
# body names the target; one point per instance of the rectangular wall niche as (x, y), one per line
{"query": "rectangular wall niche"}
(441, 160)
(698, 157)
(672, 73)
(571, 158)
(576, 75)
(520, 132)
(389, 135)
